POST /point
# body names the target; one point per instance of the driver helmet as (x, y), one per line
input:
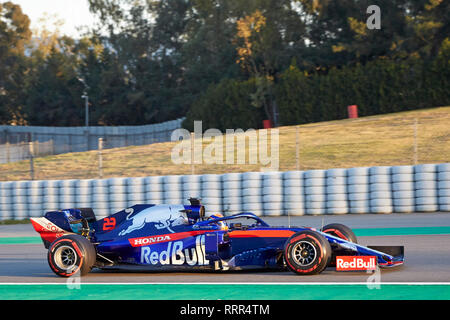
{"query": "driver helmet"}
(222, 225)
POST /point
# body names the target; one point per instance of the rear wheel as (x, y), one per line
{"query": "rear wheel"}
(70, 255)
(307, 253)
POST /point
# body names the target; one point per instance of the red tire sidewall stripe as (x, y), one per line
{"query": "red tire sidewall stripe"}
(78, 251)
(317, 242)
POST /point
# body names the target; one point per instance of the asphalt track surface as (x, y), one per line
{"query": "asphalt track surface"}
(427, 255)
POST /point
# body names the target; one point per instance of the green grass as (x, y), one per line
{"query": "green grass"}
(369, 141)
(10, 222)
(196, 292)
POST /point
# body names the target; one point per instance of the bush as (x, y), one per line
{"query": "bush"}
(381, 86)
(226, 106)
(378, 87)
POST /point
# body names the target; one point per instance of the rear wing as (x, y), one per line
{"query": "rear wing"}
(48, 231)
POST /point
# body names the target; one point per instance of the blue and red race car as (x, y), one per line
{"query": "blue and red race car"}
(180, 237)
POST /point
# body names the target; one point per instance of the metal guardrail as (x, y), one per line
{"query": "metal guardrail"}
(15, 140)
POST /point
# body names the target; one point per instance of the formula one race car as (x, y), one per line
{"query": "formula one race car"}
(180, 237)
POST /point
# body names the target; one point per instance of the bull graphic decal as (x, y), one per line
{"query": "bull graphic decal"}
(163, 217)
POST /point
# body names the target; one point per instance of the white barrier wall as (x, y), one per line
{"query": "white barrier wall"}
(293, 193)
(425, 185)
(315, 191)
(232, 199)
(443, 186)
(211, 193)
(336, 191)
(358, 190)
(273, 194)
(403, 196)
(251, 191)
(399, 189)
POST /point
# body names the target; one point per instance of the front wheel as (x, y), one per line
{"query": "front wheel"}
(307, 253)
(340, 231)
(71, 254)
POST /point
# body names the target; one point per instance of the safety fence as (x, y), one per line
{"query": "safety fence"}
(23, 142)
(25, 150)
(399, 189)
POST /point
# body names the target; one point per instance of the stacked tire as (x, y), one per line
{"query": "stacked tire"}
(5, 201)
(403, 189)
(380, 190)
(444, 187)
(192, 186)
(231, 193)
(358, 190)
(83, 193)
(136, 191)
(67, 194)
(252, 193)
(100, 198)
(19, 193)
(173, 192)
(35, 197)
(294, 197)
(272, 194)
(154, 193)
(337, 198)
(51, 195)
(211, 193)
(426, 193)
(315, 192)
(118, 194)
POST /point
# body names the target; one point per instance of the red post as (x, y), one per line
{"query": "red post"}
(353, 112)
(267, 124)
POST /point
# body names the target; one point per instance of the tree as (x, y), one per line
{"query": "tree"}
(144, 39)
(429, 25)
(338, 33)
(53, 90)
(226, 105)
(227, 62)
(14, 34)
(250, 48)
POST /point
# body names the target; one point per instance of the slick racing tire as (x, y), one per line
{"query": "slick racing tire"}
(307, 253)
(340, 231)
(70, 255)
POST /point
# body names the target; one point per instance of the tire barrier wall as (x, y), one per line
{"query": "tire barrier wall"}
(398, 189)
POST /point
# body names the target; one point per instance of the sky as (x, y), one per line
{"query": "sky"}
(73, 12)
